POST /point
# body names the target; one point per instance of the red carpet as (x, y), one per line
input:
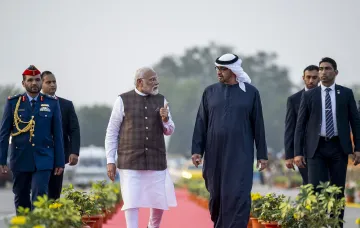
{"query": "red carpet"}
(186, 215)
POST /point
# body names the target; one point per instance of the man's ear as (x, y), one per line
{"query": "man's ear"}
(138, 81)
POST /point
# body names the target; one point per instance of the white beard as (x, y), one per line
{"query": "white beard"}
(155, 92)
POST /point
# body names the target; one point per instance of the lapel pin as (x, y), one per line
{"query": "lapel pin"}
(338, 92)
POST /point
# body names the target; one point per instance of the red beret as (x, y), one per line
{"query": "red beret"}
(31, 71)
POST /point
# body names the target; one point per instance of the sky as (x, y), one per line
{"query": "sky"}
(94, 47)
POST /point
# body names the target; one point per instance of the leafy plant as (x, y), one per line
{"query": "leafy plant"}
(104, 196)
(281, 180)
(197, 187)
(256, 202)
(288, 215)
(85, 203)
(320, 208)
(270, 208)
(48, 213)
(115, 189)
(295, 180)
(350, 191)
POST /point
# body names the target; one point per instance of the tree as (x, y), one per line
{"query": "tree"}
(183, 79)
(93, 122)
(5, 92)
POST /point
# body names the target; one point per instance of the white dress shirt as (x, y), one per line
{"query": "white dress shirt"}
(113, 129)
(333, 107)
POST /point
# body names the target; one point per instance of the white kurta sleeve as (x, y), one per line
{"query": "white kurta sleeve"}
(169, 126)
(112, 131)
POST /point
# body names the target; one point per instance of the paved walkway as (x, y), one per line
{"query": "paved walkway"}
(186, 215)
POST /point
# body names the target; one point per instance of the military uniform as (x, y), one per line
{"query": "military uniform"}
(36, 144)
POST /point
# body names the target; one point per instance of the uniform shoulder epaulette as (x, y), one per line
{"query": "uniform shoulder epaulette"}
(14, 96)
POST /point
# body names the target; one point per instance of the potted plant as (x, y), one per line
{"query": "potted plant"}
(350, 194)
(85, 203)
(295, 180)
(115, 188)
(104, 198)
(321, 208)
(271, 213)
(113, 197)
(255, 210)
(281, 181)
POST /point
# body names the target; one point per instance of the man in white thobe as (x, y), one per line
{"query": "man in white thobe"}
(139, 120)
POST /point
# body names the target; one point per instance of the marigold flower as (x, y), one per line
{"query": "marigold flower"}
(18, 220)
(55, 205)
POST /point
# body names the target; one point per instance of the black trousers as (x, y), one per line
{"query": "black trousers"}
(329, 164)
(304, 174)
(26, 182)
(55, 186)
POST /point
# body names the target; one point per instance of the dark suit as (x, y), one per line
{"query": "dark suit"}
(31, 162)
(327, 158)
(292, 109)
(71, 135)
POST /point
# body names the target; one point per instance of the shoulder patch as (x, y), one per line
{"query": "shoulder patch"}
(14, 96)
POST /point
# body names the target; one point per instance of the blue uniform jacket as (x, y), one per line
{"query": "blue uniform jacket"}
(46, 149)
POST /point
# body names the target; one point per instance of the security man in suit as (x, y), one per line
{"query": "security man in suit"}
(71, 132)
(326, 116)
(34, 122)
(311, 80)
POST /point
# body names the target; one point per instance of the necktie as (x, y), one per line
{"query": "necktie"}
(329, 115)
(33, 101)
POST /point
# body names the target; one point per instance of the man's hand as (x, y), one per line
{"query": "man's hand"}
(164, 113)
(111, 171)
(290, 163)
(356, 158)
(58, 171)
(300, 161)
(73, 159)
(196, 159)
(261, 164)
(4, 169)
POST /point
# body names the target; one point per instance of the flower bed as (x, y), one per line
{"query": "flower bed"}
(76, 209)
(197, 191)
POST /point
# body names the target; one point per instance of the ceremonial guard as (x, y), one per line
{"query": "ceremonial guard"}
(34, 122)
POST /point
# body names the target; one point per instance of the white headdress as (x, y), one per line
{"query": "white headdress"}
(233, 62)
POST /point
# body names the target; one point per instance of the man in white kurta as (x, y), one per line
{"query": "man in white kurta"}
(136, 132)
